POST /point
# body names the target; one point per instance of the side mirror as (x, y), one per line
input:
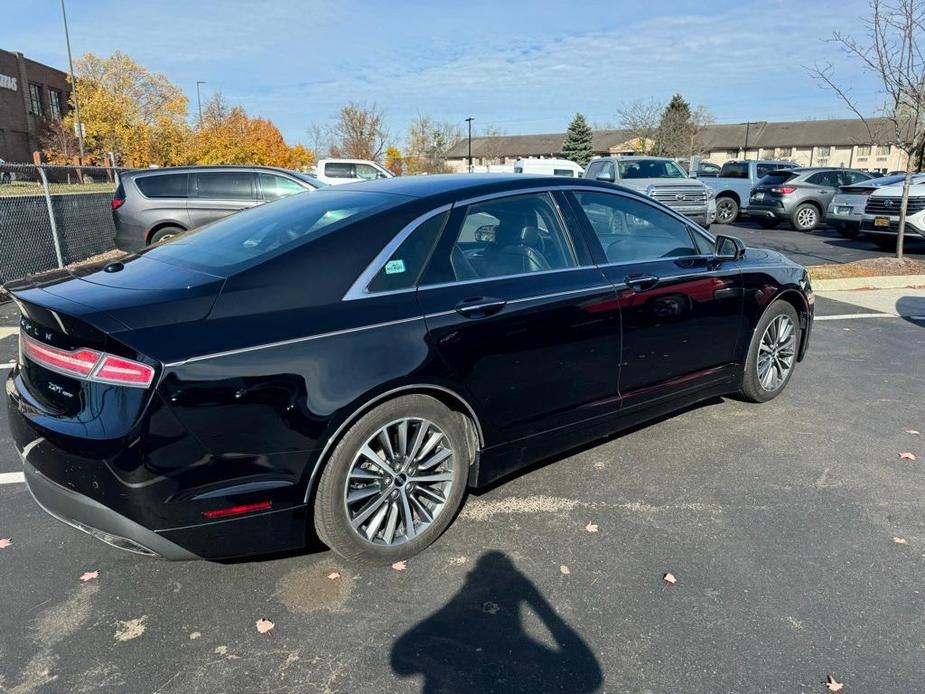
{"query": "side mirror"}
(605, 176)
(728, 248)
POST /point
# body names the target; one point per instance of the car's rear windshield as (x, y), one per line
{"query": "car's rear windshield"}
(775, 178)
(252, 236)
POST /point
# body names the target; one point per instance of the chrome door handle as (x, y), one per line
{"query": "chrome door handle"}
(640, 283)
(479, 306)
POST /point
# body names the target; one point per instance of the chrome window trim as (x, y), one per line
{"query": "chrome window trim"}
(360, 288)
(455, 283)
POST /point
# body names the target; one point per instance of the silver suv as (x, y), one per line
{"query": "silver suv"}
(799, 196)
(152, 205)
(662, 180)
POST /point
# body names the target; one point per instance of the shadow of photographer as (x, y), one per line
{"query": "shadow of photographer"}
(477, 642)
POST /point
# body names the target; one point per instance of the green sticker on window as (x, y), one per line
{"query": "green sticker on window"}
(393, 267)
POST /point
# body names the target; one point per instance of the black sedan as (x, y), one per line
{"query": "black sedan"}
(353, 360)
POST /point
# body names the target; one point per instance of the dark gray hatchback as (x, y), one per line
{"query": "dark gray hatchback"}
(152, 205)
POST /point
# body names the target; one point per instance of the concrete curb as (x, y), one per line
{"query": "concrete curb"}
(889, 282)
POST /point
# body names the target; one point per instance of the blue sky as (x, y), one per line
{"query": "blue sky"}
(520, 66)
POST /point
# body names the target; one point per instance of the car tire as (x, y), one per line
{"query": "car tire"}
(350, 472)
(849, 231)
(768, 223)
(727, 210)
(885, 243)
(756, 387)
(164, 234)
(805, 217)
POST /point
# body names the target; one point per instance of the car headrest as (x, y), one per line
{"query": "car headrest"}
(530, 236)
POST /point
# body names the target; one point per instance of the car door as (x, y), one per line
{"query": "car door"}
(217, 194)
(521, 317)
(825, 185)
(681, 308)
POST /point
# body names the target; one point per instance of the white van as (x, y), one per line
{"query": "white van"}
(550, 167)
(337, 171)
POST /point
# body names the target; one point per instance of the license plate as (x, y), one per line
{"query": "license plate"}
(843, 210)
(881, 221)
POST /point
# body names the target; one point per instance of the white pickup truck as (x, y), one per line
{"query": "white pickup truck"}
(337, 171)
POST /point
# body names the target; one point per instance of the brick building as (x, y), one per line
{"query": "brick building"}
(30, 94)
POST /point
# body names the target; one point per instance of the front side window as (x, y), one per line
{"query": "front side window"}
(339, 170)
(225, 185)
(505, 237)
(852, 177)
(404, 266)
(631, 230)
(162, 185)
(35, 99)
(367, 172)
(563, 172)
(273, 187)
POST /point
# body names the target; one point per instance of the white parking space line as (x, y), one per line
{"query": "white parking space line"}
(12, 478)
(849, 316)
(6, 332)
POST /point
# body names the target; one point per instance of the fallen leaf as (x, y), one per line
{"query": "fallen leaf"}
(906, 455)
(833, 685)
(591, 527)
(900, 540)
(914, 432)
(5, 542)
(669, 578)
(333, 575)
(264, 625)
(490, 607)
(195, 635)
(89, 575)
(400, 565)
(565, 570)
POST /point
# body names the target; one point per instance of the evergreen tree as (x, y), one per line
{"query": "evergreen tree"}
(675, 129)
(577, 144)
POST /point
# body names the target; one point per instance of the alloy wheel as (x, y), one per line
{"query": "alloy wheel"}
(724, 212)
(399, 481)
(776, 353)
(806, 218)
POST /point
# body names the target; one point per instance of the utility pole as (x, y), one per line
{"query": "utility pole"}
(199, 100)
(469, 121)
(70, 62)
(745, 152)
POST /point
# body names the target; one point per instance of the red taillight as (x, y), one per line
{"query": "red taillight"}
(88, 364)
(79, 363)
(124, 372)
(238, 510)
(784, 190)
(117, 203)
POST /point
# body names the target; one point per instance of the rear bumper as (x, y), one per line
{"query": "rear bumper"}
(766, 212)
(129, 237)
(91, 517)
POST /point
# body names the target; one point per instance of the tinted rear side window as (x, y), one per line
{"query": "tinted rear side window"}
(249, 237)
(734, 170)
(776, 178)
(225, 185)
(403, 268)
(162, 185)
(339, 170)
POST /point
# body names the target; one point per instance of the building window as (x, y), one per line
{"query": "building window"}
(767, 153)
(883, 150)
(35, 99)
(54, 103)
(863, 150)
(823, 151)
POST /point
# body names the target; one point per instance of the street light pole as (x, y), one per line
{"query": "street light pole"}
(199, 101)
(70, 62)
(469, 121)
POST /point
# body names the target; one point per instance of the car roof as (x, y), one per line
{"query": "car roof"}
(134, 173)
(470, 184)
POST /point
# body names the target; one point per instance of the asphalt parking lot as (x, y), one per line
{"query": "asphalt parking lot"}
(779, 521)
(824, 245)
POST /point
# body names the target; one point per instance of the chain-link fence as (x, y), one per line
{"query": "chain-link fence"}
(51, 216)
